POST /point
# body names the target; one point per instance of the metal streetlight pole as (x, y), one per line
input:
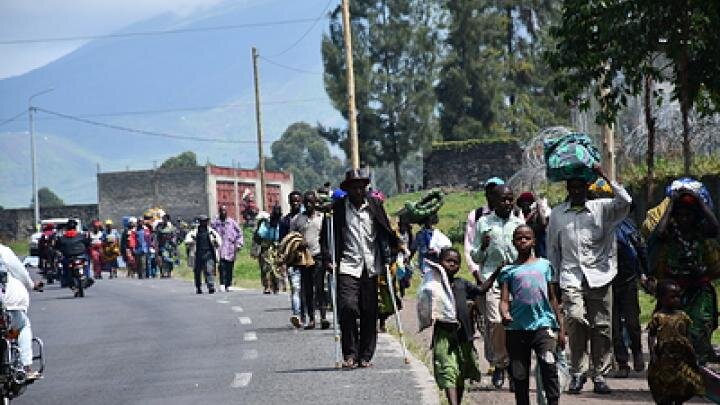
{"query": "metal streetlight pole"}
(31, 109)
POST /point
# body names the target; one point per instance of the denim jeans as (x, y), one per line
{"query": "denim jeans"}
(20, 321)
(296, 302)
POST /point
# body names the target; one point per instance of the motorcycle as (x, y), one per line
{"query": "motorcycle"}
(13, 377)
(77, 274)
(53, 267)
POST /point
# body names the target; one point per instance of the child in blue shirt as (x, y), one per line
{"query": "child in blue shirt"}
(533, 318)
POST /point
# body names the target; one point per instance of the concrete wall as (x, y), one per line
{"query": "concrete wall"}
(17, 224)
(180, 192)
(469, 165)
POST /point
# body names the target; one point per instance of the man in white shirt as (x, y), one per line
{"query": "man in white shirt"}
(16, 299)
(582, 250)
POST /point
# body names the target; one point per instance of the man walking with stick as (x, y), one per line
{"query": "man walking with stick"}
(362, 240)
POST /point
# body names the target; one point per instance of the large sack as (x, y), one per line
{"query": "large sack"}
(435, 301)
(571, 156)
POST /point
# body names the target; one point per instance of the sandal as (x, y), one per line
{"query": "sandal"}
(349, 363)
(365, 364)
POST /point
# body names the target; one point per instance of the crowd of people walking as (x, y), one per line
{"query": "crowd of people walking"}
(545, 279)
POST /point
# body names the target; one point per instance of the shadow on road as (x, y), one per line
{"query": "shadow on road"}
(282, 309)
(307, 370)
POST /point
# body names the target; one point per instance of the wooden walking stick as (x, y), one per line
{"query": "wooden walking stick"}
(390, 283)
(333, 292)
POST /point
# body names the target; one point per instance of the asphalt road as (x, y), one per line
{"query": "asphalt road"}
(157, 342)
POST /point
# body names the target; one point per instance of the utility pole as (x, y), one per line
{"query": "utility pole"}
(36, 201)
(236, 165)
(258, 122)
(608, 142)
(352, 120)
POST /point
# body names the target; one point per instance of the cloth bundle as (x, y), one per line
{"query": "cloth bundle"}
(435, 301)
(289, 251)
(571, 156)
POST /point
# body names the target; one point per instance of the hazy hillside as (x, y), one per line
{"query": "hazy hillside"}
(192, 70)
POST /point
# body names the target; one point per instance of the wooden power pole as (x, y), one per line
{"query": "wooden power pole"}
(608, 144)
(258, 121)
(347, 36)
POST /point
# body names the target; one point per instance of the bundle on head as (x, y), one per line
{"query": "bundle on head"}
(418, 211)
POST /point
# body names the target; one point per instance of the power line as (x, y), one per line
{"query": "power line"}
(152, 33)
(181, 109)
(294, 69)
(13, 118)
(140, 131)
(294, 44)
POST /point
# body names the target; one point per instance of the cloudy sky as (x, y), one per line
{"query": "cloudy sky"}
(30, 19)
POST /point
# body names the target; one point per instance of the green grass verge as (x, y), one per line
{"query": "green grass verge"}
(20, 247)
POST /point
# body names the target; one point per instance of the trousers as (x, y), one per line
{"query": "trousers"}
(357, 299)
(588, 319)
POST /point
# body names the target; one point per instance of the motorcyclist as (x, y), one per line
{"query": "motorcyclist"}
(72, 244)
(16, 298)
(45, 247)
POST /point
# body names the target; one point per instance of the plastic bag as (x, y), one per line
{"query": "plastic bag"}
(435, 300)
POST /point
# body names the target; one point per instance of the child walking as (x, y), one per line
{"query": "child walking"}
(532, 320)
(673, 375)
(454, 357)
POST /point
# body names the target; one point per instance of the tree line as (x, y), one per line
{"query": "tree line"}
(471, 69)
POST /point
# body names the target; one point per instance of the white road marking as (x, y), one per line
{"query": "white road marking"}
(244, 320)
(250, 336)
(250, 354)
(223, 301)
(237, 309)
(241, 380)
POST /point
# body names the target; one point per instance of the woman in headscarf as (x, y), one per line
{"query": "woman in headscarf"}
(683, 248)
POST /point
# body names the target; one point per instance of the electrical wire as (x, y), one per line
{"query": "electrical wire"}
(181, 109)
(142, 131)
(294, 69)
(13, 118)
(152, 33)
(294, 44)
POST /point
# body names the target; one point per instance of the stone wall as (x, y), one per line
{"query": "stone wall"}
(180, 192)
(17, 224)
(469, 165)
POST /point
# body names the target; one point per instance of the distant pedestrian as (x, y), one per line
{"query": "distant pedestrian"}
(582, 249)
(533, 320)
(204, 241)
(632, 267)
(493, 246)
(471, 224)
(312, 278)
(363, 240)
(293, 272)
(232, 241)
(267, 238)
(536, 213)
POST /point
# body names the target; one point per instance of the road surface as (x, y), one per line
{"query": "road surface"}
(156, 342)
